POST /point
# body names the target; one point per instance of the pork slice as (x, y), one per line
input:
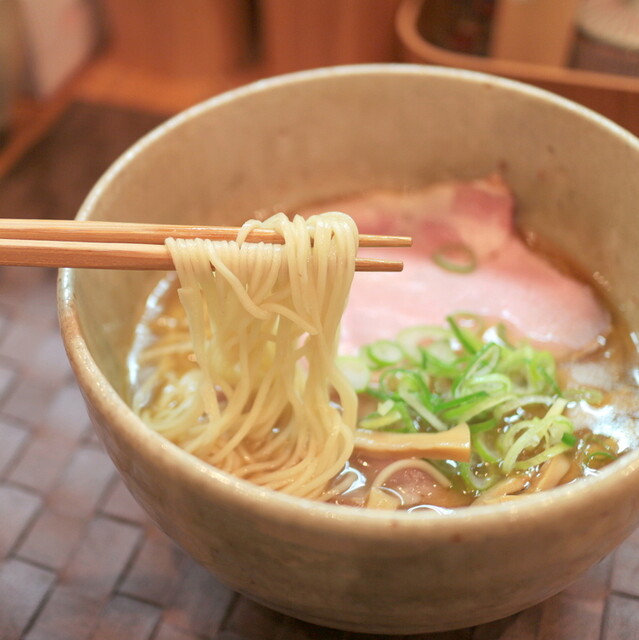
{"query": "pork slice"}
(514, 286)
(477, 214)
(511, 284)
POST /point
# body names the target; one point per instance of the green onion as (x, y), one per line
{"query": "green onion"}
(489, 403)
(469, 342)
(384, 407)
(392, 381)
(490, 383)
(550, 380)
(456, 257)
(375, 421)
(443, 351)
(412, 340)
(542, 457)
(557, 408)
(421, 410)
(483, 363)
(521, 402)
(475, 482)
(601, 454)
(439, 368)
(507, 437)
(529, 434)
(356, 372)
(375, 393)
(433, 378)
(384, 353)
(387, 384)
(480, 427)
(464, 401)
(407, 421)
(528, 438)
(483, 450)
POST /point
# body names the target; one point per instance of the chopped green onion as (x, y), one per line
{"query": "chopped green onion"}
(483, 450)
(384, 407)
(507, 437)
(489, 403)
(384, 353)
(412, 340)
(480, 427)
(356, 372)
(529, 434)
(375, 393)
(490, 383)
(442, 351)
(439, 368)
(421, 410)
(375, 421)
(394, 380)
(463, 401)
(550, 380)
(387, 384)
(542, 457)
(558, 427)
(529, 437)
(456, 257)
(483, 363)
(409, 425)
(521, 402)
(557, 408)
(601, 454)
(433, 378)
(471, 343)
(475, 482)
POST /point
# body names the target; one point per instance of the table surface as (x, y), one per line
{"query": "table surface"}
(79, 559)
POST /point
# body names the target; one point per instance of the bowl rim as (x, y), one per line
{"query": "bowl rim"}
(304, 512)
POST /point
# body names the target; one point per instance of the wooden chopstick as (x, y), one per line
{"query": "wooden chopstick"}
(142, 233)
(112, 255)
(126, 245)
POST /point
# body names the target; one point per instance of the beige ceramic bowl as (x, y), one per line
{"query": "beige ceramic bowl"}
(319, 134)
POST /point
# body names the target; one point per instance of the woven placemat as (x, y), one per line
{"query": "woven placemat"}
(79, 559)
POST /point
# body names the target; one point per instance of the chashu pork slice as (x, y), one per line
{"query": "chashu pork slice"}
(510, 282)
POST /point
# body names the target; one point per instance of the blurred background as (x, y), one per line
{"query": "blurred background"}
(82, 79)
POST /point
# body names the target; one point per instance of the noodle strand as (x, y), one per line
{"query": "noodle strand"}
(264, 324)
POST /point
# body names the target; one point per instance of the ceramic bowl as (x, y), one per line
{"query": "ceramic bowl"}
(301, 138)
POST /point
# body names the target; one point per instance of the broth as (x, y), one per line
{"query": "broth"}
(597, 379)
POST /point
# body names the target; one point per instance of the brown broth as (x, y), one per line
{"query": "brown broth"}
(610, 426)
(611, 367)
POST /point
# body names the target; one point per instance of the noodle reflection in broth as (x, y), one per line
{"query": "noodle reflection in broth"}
(264, 326)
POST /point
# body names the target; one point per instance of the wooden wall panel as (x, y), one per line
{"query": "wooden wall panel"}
(188, 38)
(302, 34)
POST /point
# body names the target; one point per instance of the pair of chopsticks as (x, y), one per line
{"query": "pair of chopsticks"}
(126, 245)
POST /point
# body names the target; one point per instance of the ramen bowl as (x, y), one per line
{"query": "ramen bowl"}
(296, 139)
